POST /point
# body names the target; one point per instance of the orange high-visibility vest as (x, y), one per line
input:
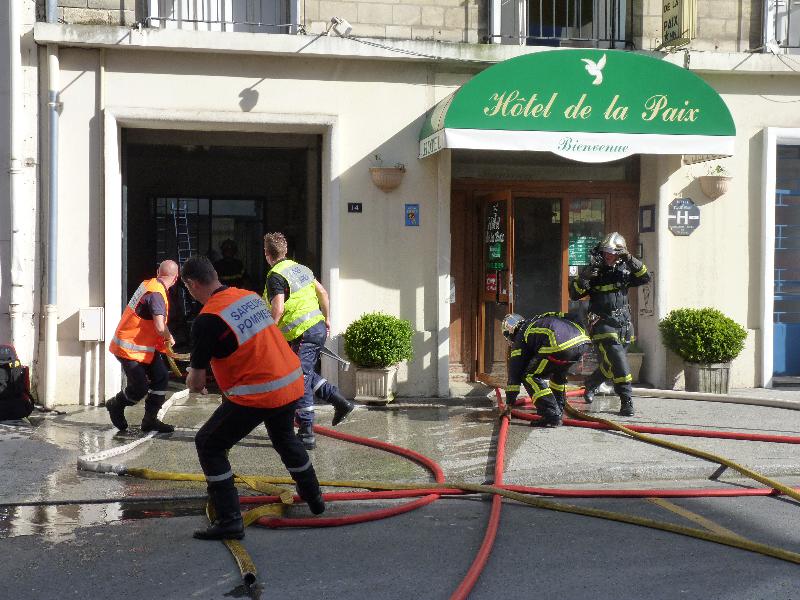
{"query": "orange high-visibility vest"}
(262, 372)
(137, 338)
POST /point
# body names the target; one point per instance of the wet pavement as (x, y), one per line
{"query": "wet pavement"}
(38, 460)
(38, 465)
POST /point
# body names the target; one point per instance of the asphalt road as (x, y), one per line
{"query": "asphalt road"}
(423, 554)
(124, 549)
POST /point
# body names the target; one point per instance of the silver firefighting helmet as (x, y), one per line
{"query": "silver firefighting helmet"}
(614, 243)
(511, 323)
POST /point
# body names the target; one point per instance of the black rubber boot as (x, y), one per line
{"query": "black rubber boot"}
(227, 523)
(306, 435)
(150, 422)
(547, 421)
(588, 395)
(341, 407)
(116, 410)
(308, 489)
(626, 407)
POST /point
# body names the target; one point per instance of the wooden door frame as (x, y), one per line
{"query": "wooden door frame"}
(481, 198)
(470, 190)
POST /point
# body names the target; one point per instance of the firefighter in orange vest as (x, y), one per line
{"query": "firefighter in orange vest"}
(139, 342)
(261, 381)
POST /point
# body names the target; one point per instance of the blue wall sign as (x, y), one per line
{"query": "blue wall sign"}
(412, 215)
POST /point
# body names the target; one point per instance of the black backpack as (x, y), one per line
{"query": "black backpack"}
(15, 386)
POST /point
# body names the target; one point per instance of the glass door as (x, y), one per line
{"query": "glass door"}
(538, 256)
(786, 311)
(494, 286)
(587, 218)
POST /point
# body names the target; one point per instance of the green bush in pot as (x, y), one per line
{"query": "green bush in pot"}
(707, 341)
(377, 340)
(702, 335)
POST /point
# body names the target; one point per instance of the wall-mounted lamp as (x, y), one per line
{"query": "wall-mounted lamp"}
(340, 25)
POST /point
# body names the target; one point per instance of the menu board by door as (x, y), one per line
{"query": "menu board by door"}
(579, 247)
(495, 236)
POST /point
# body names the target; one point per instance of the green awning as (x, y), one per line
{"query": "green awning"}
(586, 105)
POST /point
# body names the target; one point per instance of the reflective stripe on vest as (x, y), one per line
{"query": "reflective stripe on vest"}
(301, 311)
(260, 388)
(306, 317)
(131, 346)
(137, 295)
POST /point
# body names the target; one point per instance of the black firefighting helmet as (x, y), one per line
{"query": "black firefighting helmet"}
(511, 323)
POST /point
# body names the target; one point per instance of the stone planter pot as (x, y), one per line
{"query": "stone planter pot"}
(710, 378)
(376, 385)
(714, 186)
(635, 363)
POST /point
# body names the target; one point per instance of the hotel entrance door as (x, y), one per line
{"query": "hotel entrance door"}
(522, 266)
(520, 247)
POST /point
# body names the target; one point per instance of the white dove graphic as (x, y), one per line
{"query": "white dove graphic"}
(595, 69)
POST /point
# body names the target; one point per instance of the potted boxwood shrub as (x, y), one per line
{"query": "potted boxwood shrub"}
(707, 341)
(376, 343)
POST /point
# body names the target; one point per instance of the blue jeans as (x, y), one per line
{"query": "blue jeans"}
(308, 348)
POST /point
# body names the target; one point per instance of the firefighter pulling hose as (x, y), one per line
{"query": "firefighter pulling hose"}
(260, 379)
(139, 343)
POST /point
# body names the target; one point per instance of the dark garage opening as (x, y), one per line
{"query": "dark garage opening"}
(185, 193)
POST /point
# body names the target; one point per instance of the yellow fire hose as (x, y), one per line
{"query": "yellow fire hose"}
(264, 482)
(688, 450)
(270, 486)
(247, 567)
(171, 356)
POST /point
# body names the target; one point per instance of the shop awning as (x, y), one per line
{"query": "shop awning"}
(587, 105)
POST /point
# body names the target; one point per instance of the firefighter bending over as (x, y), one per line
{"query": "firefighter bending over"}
(606, 282)
(543, 348)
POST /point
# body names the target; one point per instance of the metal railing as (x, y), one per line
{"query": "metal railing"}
(586, 23)
(254, 16)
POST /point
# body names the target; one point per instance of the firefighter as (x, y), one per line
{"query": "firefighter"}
(229, 268)
(606, 281)
(139, 343)
(260, 379)
(543, 348)
(299, 306)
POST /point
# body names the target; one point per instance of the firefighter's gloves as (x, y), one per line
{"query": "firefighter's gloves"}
(634, 263)
(589, 272)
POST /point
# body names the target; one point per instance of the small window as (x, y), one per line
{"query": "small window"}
(783, 25)
(591, 23)
(254, 16)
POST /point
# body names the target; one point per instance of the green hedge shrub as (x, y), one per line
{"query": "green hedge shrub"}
(702, 335)
(378, 340)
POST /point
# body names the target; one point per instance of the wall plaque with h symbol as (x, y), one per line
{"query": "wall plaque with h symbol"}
(683, 216)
